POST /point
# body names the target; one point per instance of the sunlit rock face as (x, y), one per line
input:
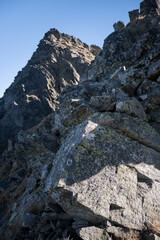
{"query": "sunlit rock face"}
(91, 169)
(109, 161)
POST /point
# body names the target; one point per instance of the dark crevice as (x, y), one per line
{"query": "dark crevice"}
(141, 178)
(115, 207)
(138, 87)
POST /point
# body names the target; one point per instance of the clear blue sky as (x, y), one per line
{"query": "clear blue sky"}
(24, 22)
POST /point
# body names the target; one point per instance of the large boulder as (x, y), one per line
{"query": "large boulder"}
(107, 170)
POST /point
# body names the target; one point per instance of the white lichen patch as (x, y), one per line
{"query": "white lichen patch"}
(15, 103)
(69, 162)
(89, 129)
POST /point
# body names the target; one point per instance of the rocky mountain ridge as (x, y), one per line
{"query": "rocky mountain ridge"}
(91, 170)
(59, 61)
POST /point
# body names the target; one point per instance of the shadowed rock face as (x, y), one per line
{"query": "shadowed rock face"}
(149, 7)
(91, 169)
(59, 61)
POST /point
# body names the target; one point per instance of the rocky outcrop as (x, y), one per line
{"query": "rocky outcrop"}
(59, 61)
(91, 170)
(119, 25)
(147, 7)
(150, 7)
(109, 161)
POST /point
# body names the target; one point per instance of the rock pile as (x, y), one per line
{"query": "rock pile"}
(91, 170)
(109, 160)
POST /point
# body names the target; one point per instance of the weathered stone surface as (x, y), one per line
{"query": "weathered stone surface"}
(134, 128)
(102, 103)
(119, 25)
(148, 88)
(39, 143)
(135, 45)
(30, 220)
(154, 70)
(155, 116)
(133, 15)
(80, 113)
(132, 107)
(99, 159)
(95, 50)
(131, 80)
(80, 224)
(93, 233)
(150, 237)
(123, 233)
(149, 7)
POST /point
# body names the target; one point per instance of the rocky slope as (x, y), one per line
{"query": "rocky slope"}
(59, 61)
(91, 170)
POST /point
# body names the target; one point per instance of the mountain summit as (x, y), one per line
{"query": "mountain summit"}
(59, 61)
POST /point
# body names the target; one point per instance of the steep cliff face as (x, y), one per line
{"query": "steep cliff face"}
(91, 170)
(59, 61)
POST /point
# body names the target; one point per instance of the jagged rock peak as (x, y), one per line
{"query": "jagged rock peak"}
(52, 31)
(147, 7)
(53, 36)
(95, 50)
(119, 25)
(59, 61)
(124, 47)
